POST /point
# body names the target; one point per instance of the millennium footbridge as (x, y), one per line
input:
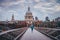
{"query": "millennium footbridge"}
(38, 33)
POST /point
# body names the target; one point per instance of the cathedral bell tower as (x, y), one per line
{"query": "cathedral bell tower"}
(12, 17)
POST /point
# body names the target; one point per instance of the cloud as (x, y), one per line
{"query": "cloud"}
(40, 8)
(12, 12)
(47, 7)
(37, 0)
(8, 3)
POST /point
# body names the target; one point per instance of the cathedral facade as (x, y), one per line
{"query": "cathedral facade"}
(29, 17)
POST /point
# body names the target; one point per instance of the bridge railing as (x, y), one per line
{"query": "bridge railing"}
(9, 31)
(50, 28)
(12, 34)
(51, 32)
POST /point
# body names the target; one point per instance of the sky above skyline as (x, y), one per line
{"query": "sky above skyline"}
(39, 8)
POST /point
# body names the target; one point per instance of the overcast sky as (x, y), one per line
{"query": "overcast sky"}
(39, 8)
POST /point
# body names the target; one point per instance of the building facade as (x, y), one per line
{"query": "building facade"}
(29, 17)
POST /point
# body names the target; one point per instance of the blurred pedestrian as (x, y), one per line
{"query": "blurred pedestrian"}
(32, 27)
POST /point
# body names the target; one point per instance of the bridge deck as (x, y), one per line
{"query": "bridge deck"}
(34, 35)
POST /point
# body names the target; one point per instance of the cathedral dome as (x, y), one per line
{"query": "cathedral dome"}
(29, 16)
(29, 12)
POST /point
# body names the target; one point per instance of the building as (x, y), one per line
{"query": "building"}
(25, 23)
(36, 19)
(12, 17)
(29, 17)
(47, 19)
(57, 19)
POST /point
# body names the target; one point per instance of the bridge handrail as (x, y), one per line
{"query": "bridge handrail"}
(20, 35)
(9, 31)
(49, 28)
(49, 35)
